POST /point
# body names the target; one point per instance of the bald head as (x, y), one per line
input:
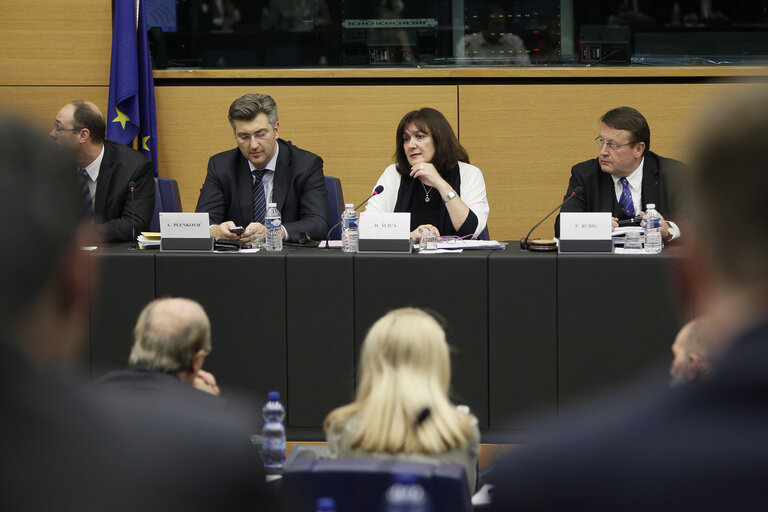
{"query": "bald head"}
(692, 353)
(169, 334)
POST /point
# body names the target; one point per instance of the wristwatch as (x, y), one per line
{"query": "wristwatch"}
(450, 195)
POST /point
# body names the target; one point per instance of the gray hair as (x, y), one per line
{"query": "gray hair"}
(168, 334)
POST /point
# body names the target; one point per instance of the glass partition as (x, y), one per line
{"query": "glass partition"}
(353, 33)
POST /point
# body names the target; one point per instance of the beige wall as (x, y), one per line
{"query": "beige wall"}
(524, 137)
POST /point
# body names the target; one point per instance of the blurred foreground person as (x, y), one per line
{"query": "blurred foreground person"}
(402, 408)
(707, 440)
(54, 452)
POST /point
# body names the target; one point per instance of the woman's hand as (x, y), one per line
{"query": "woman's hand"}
(428, 175)
(416, 233)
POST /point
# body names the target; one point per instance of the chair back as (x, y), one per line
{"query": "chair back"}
(335, 205)
(484, 234)
(360, 483)
(167, 199)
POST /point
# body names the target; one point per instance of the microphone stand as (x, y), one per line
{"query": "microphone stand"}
(524, 241)
(378, 190)
(134, 245)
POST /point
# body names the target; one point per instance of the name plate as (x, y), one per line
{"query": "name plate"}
(185, 232)
(585, 232)
(385, 232)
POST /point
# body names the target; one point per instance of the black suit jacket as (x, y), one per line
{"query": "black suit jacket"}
(298, 189)
(146, 384)
(702, 447)
(663, 185)
(193, 446)
(120, 166)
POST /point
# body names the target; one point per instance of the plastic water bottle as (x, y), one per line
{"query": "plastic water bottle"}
(273, 449)
(274, 227)
(652, 229)
(325, 505)
(349, 229)
(406, 495)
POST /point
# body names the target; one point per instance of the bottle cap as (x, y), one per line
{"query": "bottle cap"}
(404, 478)
(325, 504)
(349, 205)
(650, 206)
(273, 396)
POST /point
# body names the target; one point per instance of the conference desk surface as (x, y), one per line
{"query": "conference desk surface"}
(528, 331)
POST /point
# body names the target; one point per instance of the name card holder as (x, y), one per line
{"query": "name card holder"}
(585, 232)
(385, 232)
(185, 232)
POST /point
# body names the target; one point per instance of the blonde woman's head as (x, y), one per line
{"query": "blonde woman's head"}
(407, 341)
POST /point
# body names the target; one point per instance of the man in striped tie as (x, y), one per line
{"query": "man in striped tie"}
(263, 169)
(626, 176)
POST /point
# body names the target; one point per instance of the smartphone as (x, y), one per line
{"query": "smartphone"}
(238, 230)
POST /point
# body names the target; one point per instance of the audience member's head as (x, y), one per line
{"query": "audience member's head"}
(172, 335)
(402, 399)
(44, 275)
(691, 353)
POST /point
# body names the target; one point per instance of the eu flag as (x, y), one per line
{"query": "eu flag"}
(131, 89)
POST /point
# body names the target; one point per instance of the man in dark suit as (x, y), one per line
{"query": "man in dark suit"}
(697, 447)
(626, 176)
(263, 169)
(107, 172)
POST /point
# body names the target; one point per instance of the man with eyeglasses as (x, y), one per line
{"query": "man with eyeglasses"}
(626, 176)
(263, 169)
(107, 171)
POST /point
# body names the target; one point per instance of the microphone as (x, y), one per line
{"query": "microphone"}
(378, 190)
(132, 188)
(524, 241)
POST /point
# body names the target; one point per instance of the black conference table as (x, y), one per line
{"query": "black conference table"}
(528, 331)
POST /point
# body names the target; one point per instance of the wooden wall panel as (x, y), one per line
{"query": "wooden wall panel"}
(55, 43)
(350, 127)
(39, 105)
(525, 138)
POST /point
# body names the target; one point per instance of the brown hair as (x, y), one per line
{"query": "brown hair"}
(448, 151)
(627, 118)
(87, 116)
(247, 107)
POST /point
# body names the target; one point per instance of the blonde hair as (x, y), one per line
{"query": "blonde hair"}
(405, 368)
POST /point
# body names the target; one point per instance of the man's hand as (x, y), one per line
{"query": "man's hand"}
(222, 231)
(254, 231)
(205, 381)
(663, 224)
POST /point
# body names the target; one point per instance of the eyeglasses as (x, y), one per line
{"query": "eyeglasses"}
(611, 145)
(59, 129)
(246, 137)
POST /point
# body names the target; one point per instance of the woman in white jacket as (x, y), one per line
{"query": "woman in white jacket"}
(433, 180)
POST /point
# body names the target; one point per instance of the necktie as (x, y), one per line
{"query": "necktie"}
(625, 201)
(259, 199)
(86, 190)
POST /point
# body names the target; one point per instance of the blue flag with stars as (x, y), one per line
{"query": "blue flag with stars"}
(131, 111)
